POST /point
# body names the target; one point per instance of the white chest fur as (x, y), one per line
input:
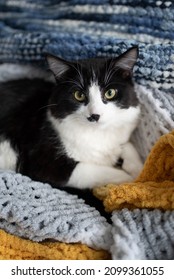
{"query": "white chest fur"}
(92, 143)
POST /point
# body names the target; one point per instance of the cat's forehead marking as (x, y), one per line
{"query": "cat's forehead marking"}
(94, 93)
(94, 77)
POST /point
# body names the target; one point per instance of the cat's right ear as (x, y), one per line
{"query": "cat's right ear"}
(57, 65)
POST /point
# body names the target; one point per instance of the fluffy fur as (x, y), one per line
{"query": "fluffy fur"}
(57, 137)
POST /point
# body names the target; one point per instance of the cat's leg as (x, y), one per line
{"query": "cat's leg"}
(132, 163)
(87, 175)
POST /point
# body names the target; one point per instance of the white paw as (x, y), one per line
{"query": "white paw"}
(120, 176)
(131, 160)
(132, 167)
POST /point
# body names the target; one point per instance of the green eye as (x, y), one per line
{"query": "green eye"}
(110, 94)
(79, 96)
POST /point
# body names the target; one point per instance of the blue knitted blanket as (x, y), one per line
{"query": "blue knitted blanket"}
(78, 29)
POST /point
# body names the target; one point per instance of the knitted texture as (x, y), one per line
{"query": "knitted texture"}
(137, 234)
(15, 248)
(143, 234)
(38, 212)
(157, 118)
(81, 29)
(154, 187)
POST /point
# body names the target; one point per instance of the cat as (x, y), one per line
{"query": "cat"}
(73, 132)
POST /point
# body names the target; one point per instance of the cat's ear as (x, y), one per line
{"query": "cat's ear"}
(57, 65)
(127, 60)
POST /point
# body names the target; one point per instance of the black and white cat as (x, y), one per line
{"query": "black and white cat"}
(72, 133)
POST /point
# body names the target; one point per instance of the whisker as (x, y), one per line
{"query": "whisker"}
(107, 72)
(110, 73)
(46, 106)
(79, 73)
(73, 82)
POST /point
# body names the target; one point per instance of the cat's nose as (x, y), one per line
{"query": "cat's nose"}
(94, 118)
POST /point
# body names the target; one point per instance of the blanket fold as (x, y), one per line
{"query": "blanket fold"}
(15, 248)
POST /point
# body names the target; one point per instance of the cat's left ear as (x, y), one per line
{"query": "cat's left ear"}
(127, 60)
(57, 65)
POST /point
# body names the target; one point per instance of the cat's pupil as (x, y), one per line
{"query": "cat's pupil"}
(110, 92)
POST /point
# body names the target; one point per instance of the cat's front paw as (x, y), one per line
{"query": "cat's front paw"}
(132, 167)
(119, 177)
(132, 163)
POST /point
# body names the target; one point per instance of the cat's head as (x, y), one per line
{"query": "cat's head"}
(95, 91)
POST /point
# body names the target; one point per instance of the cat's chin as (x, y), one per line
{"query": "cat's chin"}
(101, 125)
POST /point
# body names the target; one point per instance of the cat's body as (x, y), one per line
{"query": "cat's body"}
(72, 133)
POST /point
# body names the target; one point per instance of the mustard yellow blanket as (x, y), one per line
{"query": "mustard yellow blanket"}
(15, 248)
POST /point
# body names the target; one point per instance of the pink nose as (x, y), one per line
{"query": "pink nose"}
(94, 118)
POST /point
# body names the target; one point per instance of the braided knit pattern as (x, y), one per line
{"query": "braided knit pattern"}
(143, 234)
(38, 212)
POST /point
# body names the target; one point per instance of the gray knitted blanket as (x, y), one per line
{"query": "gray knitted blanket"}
(36, 211)
(80, 29)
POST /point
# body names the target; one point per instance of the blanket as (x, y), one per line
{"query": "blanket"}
(39, 222)
(53, 214)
